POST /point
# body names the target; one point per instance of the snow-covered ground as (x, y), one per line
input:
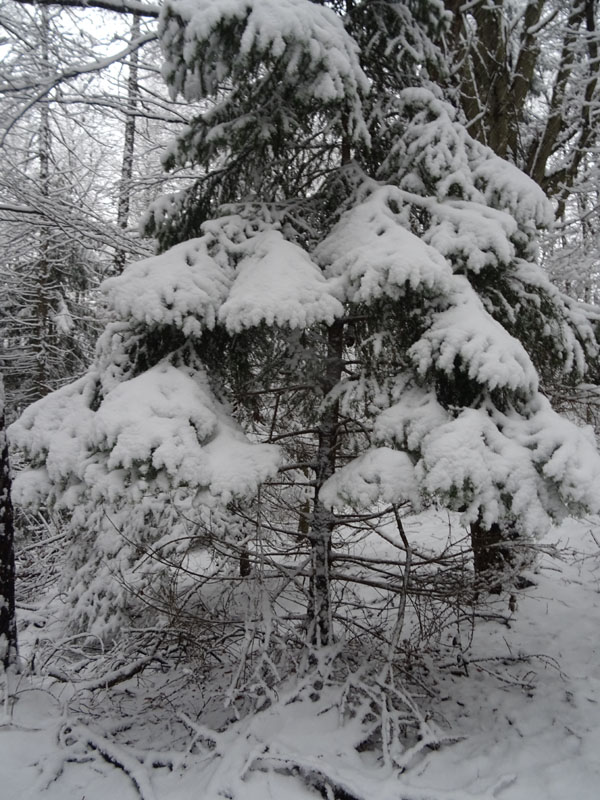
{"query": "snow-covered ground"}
(543, 742)
(522, 712)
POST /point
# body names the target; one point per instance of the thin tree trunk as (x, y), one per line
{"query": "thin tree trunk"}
(133, 94)
(8, 619)
(323, 523)
(44, 289)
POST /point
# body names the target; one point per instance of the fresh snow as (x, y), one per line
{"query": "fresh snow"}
(372, 253)
(290, 28)
(183, 287)
(378, 475)
(540, 464)
(472, 235)
(166, 419)
(306, 41)
(517, 705)
(466, 335)
(277, 283)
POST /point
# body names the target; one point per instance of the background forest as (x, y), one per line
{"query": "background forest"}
(284, 284)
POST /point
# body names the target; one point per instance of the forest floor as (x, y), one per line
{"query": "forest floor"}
(519, 708)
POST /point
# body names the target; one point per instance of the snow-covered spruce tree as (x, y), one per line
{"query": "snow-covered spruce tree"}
(140, 453)
(361, 290)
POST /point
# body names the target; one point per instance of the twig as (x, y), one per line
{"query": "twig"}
(405, 580)
(109, 678)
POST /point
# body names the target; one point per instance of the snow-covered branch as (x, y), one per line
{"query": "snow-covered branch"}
(45, 85)
(119, 6)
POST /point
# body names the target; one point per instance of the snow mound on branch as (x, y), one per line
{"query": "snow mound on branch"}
(533, 466)
(466, 335)
(183, 287)
(373, 253)
(571, 324)
(160, 430)
(506, 187)
(431, 154)
(436, 148)
(536, 469)
(57, 430)
(194, 285)
(169, 419)
(469, 462)
(159, 416)
(482, 207)
(565, 453)
(277, 283)
(408, 421)
(208, 42)
(380, 474)
(471, 235)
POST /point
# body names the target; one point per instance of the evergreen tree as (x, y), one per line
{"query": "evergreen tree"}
(361, 293)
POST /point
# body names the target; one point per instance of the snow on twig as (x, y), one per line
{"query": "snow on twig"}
(108, 679)
(76, 733)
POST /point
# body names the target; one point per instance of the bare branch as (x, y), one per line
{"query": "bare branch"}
(118, 6)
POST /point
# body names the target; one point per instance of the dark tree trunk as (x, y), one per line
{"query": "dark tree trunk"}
(8, 619)
(322, 522)
(491, 554)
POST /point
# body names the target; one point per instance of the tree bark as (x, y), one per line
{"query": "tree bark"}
(8, 619)
(484, 73)
(491, 554)
(323, 523)
(543, 148)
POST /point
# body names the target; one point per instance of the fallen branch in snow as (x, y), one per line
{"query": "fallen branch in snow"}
(504, 679)
(359, 730)
(461, 665)
(74, 734)
(43, 543)
(346, 786)
(107, 680)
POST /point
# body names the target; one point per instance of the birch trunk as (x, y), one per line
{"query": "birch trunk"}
(133, 94)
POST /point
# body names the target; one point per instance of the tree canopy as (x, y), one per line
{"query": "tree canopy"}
(359, 321)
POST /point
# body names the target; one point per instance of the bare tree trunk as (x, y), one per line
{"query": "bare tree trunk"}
(484, 73)
(133, 94)
(491, 554)
(588, 125)
(543, 148)
(44, 289)
(8, 619)
(323, 523)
